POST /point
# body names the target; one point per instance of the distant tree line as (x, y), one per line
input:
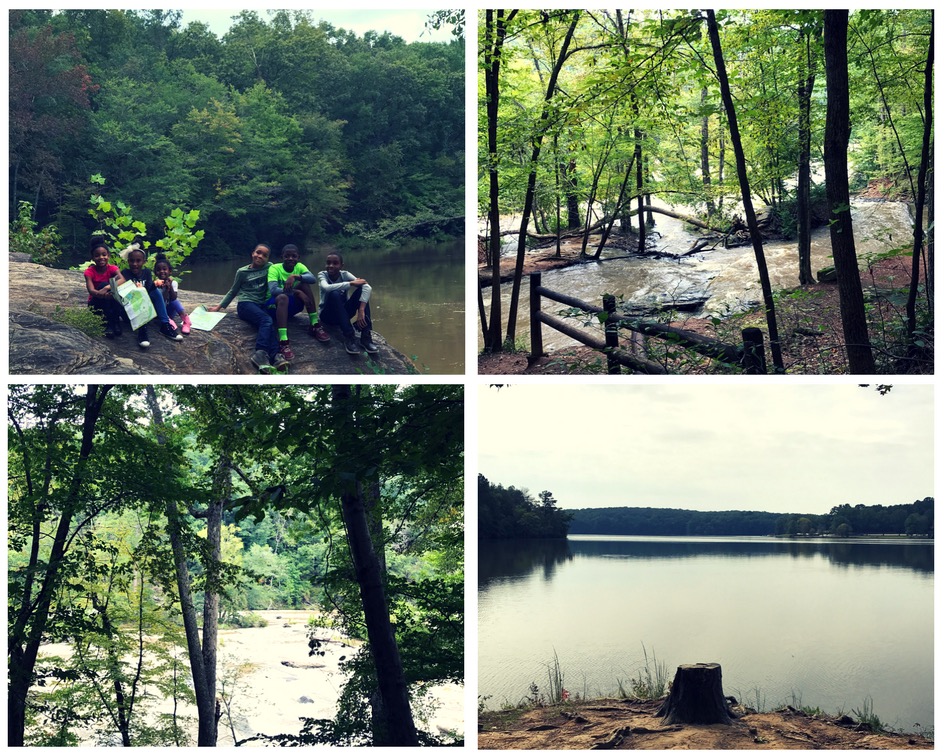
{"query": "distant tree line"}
(514, 513)
(285, 128)
(916, 519)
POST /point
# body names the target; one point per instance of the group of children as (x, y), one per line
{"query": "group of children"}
(101, 276)
(269, 294)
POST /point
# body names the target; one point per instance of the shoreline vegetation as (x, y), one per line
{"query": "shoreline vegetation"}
(629, 718)
(508, 512)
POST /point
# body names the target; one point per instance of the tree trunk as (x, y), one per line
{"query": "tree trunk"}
(222, 488)
(638, 157)
(750, 220)
(530, 189)
(399, 727)
(704, 145)
(836, 139)
(919, 230)
(29, 628)
(206, 706)
(618, 208)
(571, 195)
(805, 87)
(696, 697)
(495, 30)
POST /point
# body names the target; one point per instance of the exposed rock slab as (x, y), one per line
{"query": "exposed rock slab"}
(40, 345)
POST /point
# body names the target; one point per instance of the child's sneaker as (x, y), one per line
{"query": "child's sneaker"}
(367, 343)
(185, 325)
(280, 363)
(261, 361)
(168, 332)
(286, 351)
(142, 334)
(351, 346)
(319, 332)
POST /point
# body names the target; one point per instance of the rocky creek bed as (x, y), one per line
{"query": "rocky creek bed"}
(278, 683)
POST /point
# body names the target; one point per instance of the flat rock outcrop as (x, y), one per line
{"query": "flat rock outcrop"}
(40, 344)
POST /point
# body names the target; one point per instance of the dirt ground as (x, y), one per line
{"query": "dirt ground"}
(632, 725)
(809, 327)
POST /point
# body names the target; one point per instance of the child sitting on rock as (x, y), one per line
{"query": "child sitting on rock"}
(98, 278)
(141, 276)
(290, 292)
(337, 307)
(164, 280)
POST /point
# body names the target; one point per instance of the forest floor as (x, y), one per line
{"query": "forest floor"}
(632, 725)
(809, 326)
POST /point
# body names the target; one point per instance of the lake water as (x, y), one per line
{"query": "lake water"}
(418, 303)
(829, 622)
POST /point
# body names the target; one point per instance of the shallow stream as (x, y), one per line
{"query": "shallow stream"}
(728, 278)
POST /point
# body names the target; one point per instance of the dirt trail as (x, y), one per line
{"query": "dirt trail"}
(632, 725)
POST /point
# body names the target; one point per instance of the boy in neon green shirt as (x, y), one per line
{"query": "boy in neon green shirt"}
(290, 292)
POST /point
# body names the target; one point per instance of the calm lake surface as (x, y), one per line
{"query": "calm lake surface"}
(417, 304)
(831, 622)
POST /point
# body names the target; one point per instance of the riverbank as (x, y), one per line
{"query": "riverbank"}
(809, 325)
(275, 683)
(630, 725)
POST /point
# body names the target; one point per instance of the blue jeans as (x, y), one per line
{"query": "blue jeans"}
(338, 310)
(157, 298)
(258, 317)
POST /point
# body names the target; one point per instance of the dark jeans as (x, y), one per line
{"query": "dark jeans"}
(107, 308)
(258, 317)
(338, 310)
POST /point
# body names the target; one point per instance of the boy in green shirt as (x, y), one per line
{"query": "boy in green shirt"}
(289, 292)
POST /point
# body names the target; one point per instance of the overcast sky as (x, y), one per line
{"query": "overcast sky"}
(797, 448)
(408, 24)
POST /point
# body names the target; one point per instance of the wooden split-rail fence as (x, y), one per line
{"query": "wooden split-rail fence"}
(749, 355)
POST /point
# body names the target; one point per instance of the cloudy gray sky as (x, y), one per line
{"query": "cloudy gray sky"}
(408, 24)
(794, 448)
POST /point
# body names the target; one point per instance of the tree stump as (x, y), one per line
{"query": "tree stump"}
(696, 696)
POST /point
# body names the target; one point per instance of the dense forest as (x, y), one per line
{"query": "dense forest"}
(143, 521)
(514, 513)
(285, 128)
(916, 519)
(750, 123)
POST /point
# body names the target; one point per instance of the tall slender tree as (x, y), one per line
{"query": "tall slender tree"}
(750, 219)
(836, 141)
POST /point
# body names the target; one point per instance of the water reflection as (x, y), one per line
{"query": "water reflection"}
(516, 559)
(523, 558)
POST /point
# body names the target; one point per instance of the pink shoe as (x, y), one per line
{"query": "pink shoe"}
(185, 327)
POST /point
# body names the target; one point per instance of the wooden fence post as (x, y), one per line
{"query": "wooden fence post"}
(753, 356)
(534, 307)
(610, 334)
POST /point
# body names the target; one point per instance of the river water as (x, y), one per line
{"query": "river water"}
(727, 277)
(418, 303)
(820, 622)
